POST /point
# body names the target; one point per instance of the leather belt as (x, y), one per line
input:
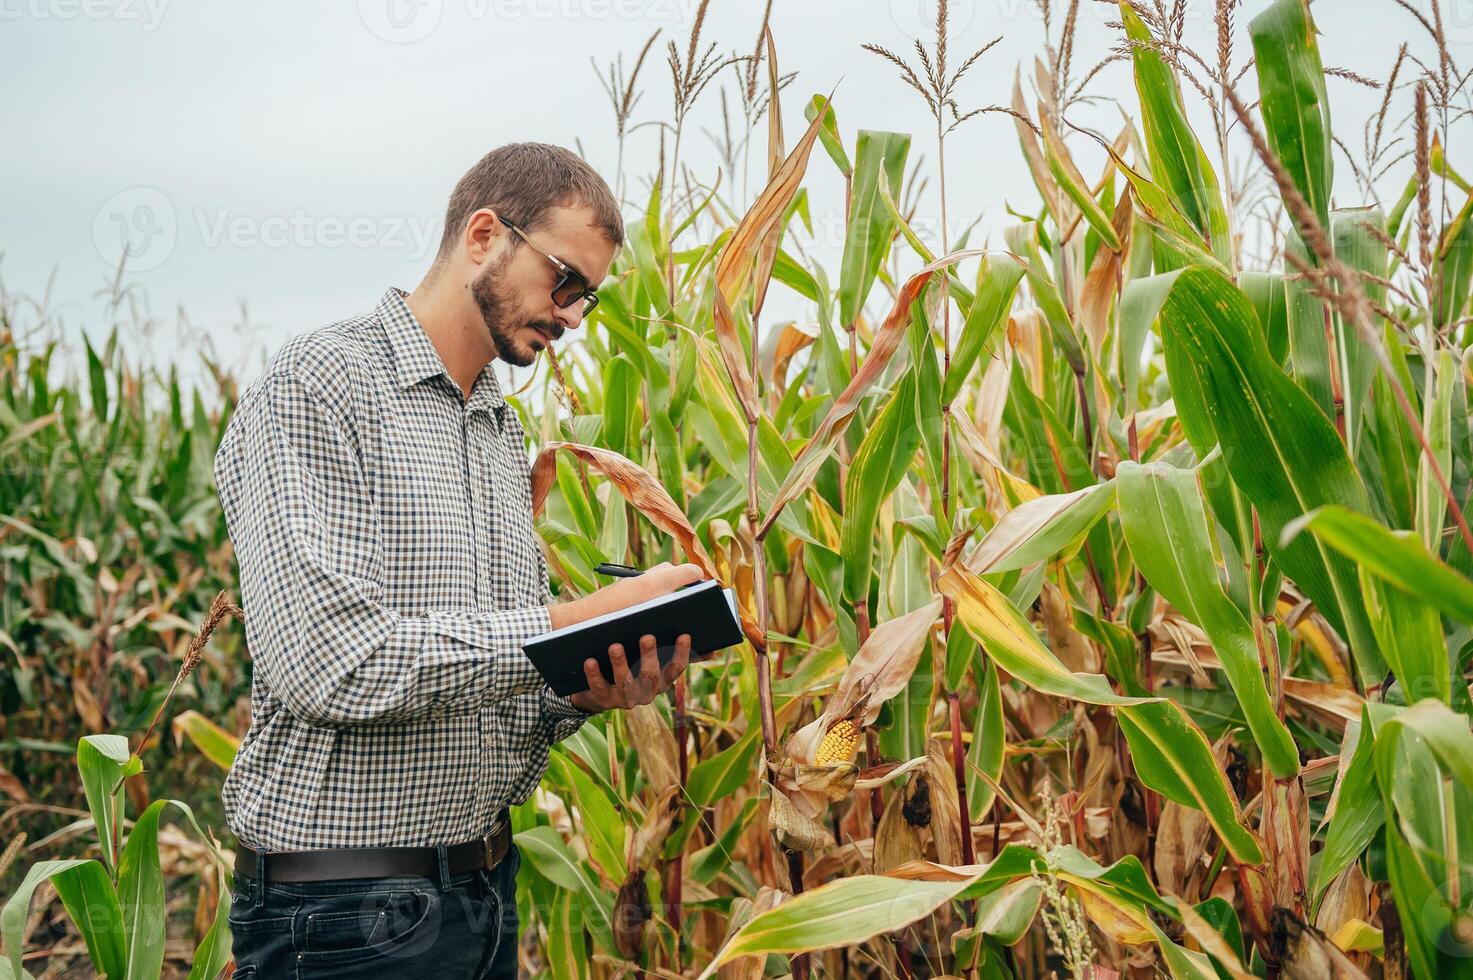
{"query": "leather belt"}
(374, 862)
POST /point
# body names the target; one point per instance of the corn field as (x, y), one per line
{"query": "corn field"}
(1105, 572)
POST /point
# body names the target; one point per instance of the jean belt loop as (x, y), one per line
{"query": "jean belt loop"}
(259, 885)
(442, 863)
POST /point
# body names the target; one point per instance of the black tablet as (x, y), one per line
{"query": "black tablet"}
(705, 610)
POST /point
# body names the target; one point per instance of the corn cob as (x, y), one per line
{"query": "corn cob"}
(841, 740)
(840, 744)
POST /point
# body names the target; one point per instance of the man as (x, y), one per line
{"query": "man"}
(377, 491)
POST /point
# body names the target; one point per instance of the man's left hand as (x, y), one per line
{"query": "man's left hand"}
(630, 689)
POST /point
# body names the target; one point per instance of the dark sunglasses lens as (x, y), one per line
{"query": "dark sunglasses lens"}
(568, 290)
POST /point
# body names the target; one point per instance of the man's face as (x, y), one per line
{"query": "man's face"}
(514, 289)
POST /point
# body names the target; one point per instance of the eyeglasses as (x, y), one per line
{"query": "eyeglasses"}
(571, 286)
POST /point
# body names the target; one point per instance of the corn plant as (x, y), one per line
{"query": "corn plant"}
(1107, 586)
(1200, 524)
(117, 903)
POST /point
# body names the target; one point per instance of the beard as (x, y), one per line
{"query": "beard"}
(505, 321)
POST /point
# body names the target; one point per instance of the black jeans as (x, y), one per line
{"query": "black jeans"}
(464, 926)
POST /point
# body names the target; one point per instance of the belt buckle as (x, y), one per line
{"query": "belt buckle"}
(489, 842)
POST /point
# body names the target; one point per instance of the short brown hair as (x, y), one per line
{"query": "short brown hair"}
(522, 182)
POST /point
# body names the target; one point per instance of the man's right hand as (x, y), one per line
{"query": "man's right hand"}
(656, 581)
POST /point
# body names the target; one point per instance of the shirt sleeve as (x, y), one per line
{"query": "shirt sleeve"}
(307, 538)
(560, 716)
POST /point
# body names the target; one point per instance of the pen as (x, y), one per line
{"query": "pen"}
(629, 571)
(618, 571)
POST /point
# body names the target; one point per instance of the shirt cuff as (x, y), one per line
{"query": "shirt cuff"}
(563, 716)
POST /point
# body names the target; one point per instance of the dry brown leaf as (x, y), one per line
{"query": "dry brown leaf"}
(1072, 647)
(642, 848)
(881, 669)
(743, 910)
(12, 787)
(1348, 898)
(648, 496)
(811, 457)
(897, 842)
(1307, 954)
(946, 831)
(833, 782)
(655, 745)
(795, 830)
(87, 707)
(1043, 179)
(1181, 847)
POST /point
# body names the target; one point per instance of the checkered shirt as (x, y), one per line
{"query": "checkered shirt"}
(389, 573)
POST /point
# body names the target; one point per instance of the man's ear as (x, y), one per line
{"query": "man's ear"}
(484, 235)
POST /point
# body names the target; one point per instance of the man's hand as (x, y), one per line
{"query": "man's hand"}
(657, 581)
(631, 689)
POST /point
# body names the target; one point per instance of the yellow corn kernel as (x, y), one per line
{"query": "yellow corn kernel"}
(839, 744)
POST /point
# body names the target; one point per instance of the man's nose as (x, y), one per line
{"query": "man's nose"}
(569, 316)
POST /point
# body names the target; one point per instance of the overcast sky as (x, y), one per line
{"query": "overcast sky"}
(292, 159)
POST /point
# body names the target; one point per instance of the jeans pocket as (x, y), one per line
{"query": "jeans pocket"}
(352, 928)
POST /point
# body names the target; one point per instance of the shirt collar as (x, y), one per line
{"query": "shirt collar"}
(415, 358)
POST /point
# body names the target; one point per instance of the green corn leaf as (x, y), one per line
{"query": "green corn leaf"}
(141, 893)
(1073, 183)
(1174, 758)
(1455, 267)
(997, 283)
(1178, 162)
(828, 132)
(552, 859)
(1282, 452)
(842, 912)
(104, 761)
(566, 955)
(1396, 556)
(1041, 528)
(726, 771)
(1011, 641)
(871, 226)
(1140, 305)
(1357, 811)
(603, 827)
(1265, 290)
(1410, 633)
(17, 907)
(710, 861)
(1171, 542)
(1356, 244)
(214, 950)
(1296, 111)
(92, 904)
(1437, 423)
(989, 740)
(213, 742)
(1424, 768)
(877, 468)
